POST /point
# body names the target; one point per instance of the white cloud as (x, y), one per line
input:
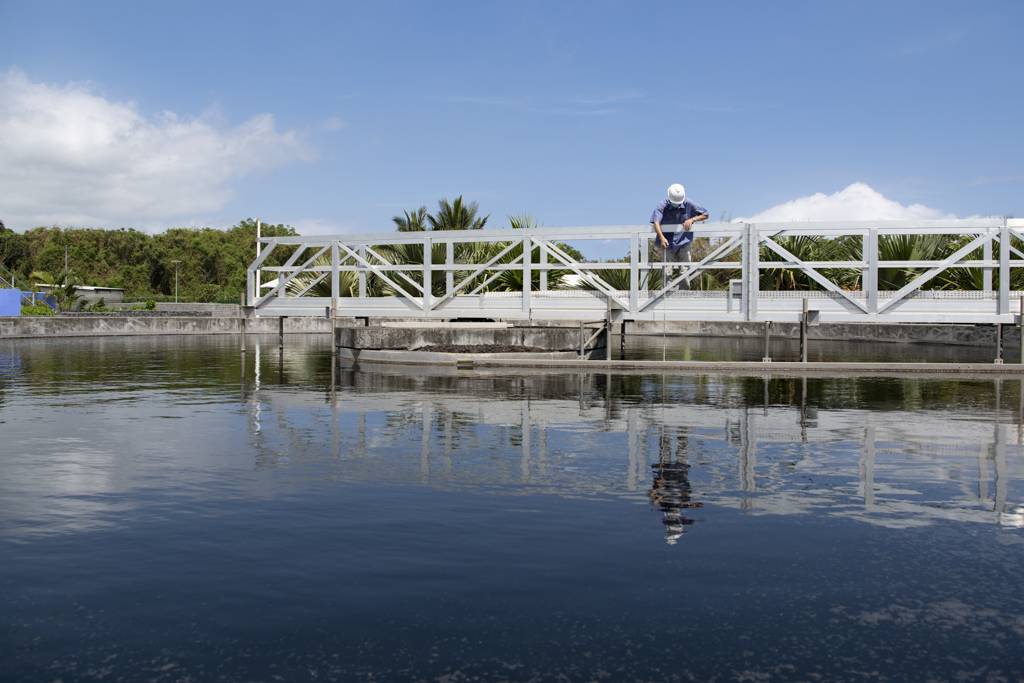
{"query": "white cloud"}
(309, 227)
(71, 157)
(858, 202)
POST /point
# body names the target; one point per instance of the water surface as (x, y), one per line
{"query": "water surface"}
(171, 512)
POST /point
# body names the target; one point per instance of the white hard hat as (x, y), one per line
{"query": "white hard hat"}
(676, 194)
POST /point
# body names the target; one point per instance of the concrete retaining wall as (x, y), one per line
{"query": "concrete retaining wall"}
(61, 326)
(230, 310)
(960, 335)
(408, 339)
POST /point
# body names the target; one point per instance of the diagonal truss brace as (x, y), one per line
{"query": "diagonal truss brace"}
(693, 272)
(291, 261)
(373, 269)
(384, 261)
(586, 275)
(938, 268)
(469, 278)
(811, 272)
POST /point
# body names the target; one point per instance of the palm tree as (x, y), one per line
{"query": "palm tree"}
(411, 222)
(457, 215)
(63, 287)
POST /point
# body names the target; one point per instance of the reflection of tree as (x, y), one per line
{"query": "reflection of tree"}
(671, 489)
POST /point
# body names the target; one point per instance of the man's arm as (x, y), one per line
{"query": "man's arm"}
(657, 229)
(689, 224)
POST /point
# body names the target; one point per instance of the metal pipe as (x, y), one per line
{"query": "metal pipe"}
(803, 334)
(999, 343)
(608, 332)
(767, 339)
(280, 332)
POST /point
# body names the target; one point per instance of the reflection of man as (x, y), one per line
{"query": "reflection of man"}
(671, 489)
(677, 210)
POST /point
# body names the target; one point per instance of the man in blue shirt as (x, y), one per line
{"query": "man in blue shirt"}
(677, 210)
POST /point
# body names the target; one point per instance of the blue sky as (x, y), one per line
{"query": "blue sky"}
(333, 117)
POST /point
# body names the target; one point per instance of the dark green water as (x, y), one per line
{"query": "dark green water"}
(168, 513)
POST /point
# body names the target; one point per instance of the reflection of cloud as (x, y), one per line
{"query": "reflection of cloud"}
(858, 202)
(69, 156)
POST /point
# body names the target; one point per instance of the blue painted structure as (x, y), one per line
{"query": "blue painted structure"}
(10, 302)
(36, 298)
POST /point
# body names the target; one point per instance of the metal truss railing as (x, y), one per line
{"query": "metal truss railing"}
(470, 271)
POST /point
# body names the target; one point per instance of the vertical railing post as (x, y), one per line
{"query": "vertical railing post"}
(869, 276)
(259, 250)
(644, 268)
(362, 273)
(752, 269)
(544, 267)
(335, 284)
(527, 272)
(449, 262)
(986, 272)
(1004, 269)
(427, 273)
(634, 272)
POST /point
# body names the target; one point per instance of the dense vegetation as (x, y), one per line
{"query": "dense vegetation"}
(212, 268)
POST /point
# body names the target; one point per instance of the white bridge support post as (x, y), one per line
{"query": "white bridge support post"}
(634, 274)
(527, 272)
(362, 274)
(543, 267)
(869, 276)
(449, 262)
(986, 273)
(1004, 269)
(751, 270)
(427, 268)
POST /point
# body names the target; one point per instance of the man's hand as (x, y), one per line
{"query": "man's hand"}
(688, 225)
(664, 242)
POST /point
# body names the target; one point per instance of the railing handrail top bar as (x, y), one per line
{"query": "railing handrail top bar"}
(710, 229)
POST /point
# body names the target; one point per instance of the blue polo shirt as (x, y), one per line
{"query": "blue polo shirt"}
(666, 214)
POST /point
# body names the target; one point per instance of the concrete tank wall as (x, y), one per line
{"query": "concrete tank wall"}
(107, 326)
(410, 338)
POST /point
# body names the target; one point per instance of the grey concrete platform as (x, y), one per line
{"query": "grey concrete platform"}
(43, 326)
(431, 358)
(412, 338)
(759, 368)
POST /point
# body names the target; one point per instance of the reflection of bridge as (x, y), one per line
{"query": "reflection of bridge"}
(524, 253)
(572, 435)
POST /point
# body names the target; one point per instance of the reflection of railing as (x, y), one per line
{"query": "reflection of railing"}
(873, 466)
(532, 254)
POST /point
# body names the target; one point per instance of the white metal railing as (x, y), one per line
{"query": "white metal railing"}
(737, 247)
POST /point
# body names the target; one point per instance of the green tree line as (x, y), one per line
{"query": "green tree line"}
(213, 262)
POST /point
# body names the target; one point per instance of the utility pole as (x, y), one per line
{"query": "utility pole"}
(175, 280)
